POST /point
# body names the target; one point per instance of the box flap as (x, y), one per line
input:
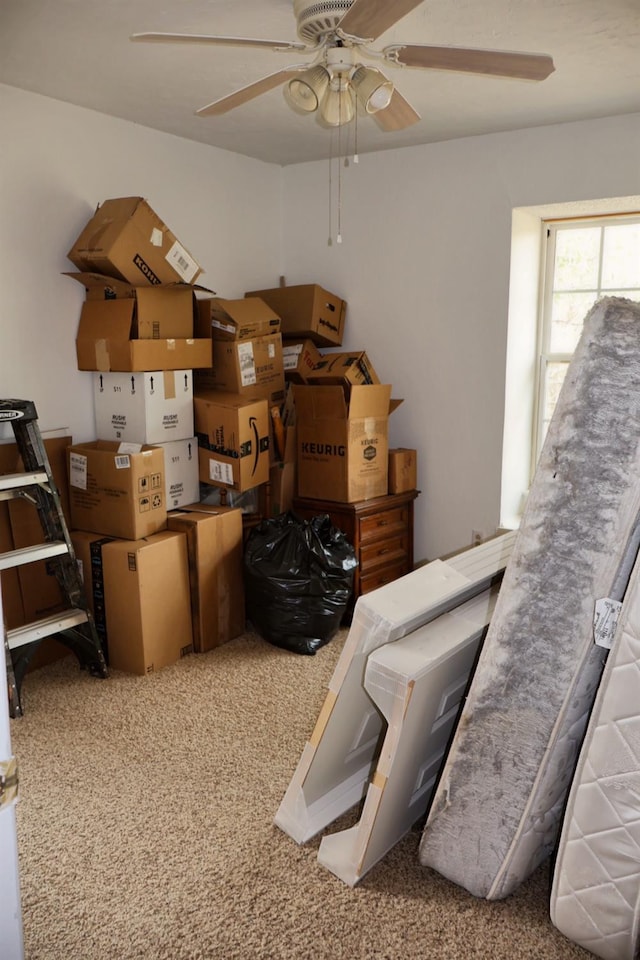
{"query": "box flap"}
(98, 286)
(369, 400)
(106, 320)
(320, 402)
(237, 319)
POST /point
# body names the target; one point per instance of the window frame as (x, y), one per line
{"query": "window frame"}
(551, 227)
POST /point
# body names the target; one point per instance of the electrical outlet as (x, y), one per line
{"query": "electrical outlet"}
(477, 536)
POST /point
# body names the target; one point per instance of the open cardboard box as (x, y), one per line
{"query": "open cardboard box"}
(162, 311)
(106, 341)
(343, 441)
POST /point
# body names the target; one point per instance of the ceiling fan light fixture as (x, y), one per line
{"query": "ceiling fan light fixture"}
(307, 90)
(337, 107)
(373, 90)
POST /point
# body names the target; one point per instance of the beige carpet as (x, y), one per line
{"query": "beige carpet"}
(146, 828)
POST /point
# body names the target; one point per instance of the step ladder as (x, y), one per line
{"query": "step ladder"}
(74, 627)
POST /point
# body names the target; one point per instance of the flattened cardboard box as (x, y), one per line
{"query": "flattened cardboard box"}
(233, 439)
(160, 312)
(215, 549)
(307, 310)
(105, 342)
(342, 442)
(235, 319)
(117, 489)
(346, 368)
(147, 602)
(125, 238)
(151, 407)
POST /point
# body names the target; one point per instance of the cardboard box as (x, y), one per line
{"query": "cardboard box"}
(235, 319)
(152, 407)
(345, 368)
(160, 312)
(307, 310)
(147, 601)
(299, 358)
(252, 368)
(215, 550)
(126, 239)
(117, 489)
(342, 441)
(106, 341)
(88, 549)
(403, 470)
(233, 438)
(181, 472)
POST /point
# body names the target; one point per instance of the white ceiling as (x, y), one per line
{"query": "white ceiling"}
(78, 51)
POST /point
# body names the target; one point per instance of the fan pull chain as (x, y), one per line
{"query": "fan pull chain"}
(330, 240)
(341, 152)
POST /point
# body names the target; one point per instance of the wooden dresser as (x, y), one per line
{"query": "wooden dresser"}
(381, 531)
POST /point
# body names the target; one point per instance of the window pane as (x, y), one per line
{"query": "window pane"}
(621, 256)
(576, 259)
(629, 294)
(554, 378)
(568, 311)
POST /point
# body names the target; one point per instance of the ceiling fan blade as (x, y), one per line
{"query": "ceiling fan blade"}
(497, 63)
(224, 41)
(367, 19)
(398, 115)
(244, 94)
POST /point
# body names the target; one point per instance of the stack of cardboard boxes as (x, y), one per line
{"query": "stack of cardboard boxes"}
(163, 572)
(200, 400)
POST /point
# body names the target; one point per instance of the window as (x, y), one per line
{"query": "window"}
(585, 260)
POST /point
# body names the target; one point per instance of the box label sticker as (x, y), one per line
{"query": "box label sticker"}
(128, 447)
(156, 237)
(291, 356)
(122, 461)
(220, 472)
(247, 364)
(184, 265)
(78, 471)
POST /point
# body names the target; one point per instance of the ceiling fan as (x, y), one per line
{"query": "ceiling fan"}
(335, 83)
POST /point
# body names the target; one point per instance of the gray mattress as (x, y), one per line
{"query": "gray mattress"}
(595, 898)
(497, 809)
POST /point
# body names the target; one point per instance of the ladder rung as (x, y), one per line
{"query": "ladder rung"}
(41, 551)
(13, 481)
(40, 629)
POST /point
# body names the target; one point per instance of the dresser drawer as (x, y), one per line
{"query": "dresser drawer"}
(384, 575)
(383, 524)
(390, 549)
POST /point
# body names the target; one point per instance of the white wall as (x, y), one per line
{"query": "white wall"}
(424, 264)
(57, 162)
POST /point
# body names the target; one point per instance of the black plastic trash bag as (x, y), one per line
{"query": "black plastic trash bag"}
(298, 578)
